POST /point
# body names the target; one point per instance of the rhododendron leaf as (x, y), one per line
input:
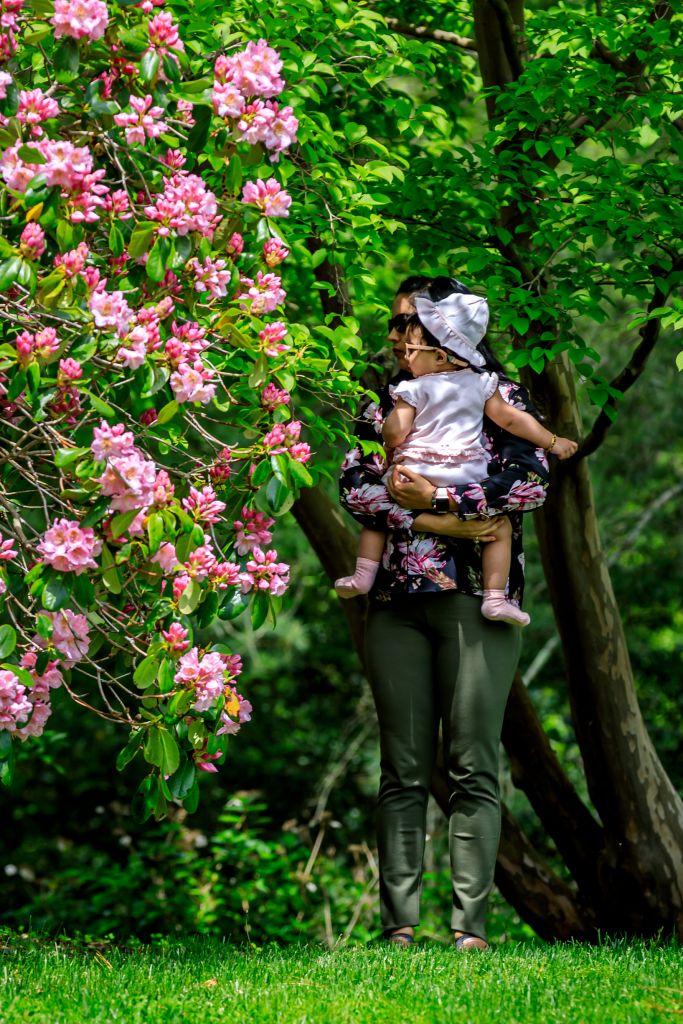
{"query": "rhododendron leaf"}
(259, 373)
(191, 801)
(208, 610)
(155, 531)
(116, 242)
(34, 574)
(140, 239)
(146, 672)
(182, 250)
(183, 779)
(131, 748)
(33, 377)
(261, 473)
(65, 456)
(134, 39)
(166, 676)
(110, 577)
(7, 759)
(31, 155)
(9, 271)
(189, 599)
(157, 377)
(199, 133)
(180, 703)
(66, 58)
(8, 640)
(300, 473)
(56, 592)
(156, 261)
(167, 412)
(280, 464)
(259, 609)
(121, 522)
(196, 733)
(280, 497)
(97, 512)
(44, 626)
(84, 591)
(142, 803)
(170, 754)
(99, 405)
(233, 608)
(171, 68)
(149, 66)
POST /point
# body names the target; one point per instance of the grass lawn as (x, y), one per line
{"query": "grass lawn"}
(204, 982)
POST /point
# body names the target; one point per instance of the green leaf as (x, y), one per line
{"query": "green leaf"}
(157, 259)
(110, 576)
(208, 609)
(262, 473)
(9, 271)
(56, 592)
(199, 133)
(300, 473)
(166, 676)
(140, 239)
(170, 757)
(65, 456)
(44, 626)
(7, 765)
(191, 801)
(131, 748)
(355, 132)
(280, 497)
(154, 751)
(259, 608)
(116, 242)
(189, 599)
(67, 56)
(122, 521)
(31, 155)
(155, 531)
(167, 412)
(8, 640)
(149, 66)
(183, 779)
(99, 405)
(234, 607)
(143, 802)
(147, 671)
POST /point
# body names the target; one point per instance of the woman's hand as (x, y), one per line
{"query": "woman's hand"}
(449, 525)
(409, 489)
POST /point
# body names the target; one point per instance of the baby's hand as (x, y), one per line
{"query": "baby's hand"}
(564, 448)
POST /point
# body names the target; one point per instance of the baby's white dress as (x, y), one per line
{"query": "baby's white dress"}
(445, 444)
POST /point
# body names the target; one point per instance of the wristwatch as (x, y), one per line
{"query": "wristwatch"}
(440, 500)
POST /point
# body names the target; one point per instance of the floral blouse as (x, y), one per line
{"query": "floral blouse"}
(418, 563)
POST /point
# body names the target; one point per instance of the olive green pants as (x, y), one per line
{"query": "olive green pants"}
(431, 658)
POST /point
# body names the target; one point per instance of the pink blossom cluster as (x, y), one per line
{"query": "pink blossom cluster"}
(273, 397)
(72, 262)
(187, 343)
(5, 80)
(284, 437)
(263, 295)
(15, 707)
(203, 505)
(34, 108)
(118, 203)
(69, 369)
(70, 637)
(268, 196)
(194, 382)
(36, 346)
(51, 678)
(9, 23)
(129, 478)
(32, 241)
(39, 695)
(164, 38)
(274, 252)
(110, 310)
(65, 165)
(185, 205)
(210, 276)
(176, 637)
(272, 336)
(80, 19)
(206, 675)
(252, 531)
(7, 552)
(264, 572)
(220, 470)
(266, 122)
(235, 705)
(145, 123)
(235, 246)
(255, 71)
(68, 547)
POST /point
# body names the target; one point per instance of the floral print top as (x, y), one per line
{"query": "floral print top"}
(418, 563)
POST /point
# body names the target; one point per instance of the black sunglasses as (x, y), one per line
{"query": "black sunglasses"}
(400, 322)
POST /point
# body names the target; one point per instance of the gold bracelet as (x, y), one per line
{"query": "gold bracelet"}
(552, 444)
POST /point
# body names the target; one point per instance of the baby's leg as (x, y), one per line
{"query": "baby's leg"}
(495, 559)
(370, 548)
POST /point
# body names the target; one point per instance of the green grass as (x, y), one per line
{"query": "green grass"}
(204, 982)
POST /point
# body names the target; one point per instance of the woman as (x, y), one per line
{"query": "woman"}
(431, 656)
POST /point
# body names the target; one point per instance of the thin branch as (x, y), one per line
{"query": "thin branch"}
(434, 35)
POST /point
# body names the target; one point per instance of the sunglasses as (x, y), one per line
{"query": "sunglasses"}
(400, 322)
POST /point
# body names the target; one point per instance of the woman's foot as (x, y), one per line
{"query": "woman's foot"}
(496, 607)
(465, 941)
(361, 581)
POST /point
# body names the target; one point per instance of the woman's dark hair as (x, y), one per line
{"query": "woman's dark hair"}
(416, 283)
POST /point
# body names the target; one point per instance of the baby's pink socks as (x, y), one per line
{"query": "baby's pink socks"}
(361, 581)
(496, 606)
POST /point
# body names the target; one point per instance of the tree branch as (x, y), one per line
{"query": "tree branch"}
(434, 35)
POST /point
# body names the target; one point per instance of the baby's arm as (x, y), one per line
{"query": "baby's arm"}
(398, 424)
(521, 424)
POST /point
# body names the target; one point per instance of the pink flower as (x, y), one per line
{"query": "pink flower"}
(220, 470)
(110, 309)
(51, 678)
(15, 707)
(263, 295)
(73, 261)
(134, 352)
(166, 558)
(200, 562)
(41, 711)
(206, 675)
(32, 241)
(129, 481)
(255, 71)
(235, 245)
(204, 506)
(224, 574)
(163, 34)
(70, 635)
(264, 572)
(5, 78)
(271, 336)
(268, 196)
(46, 343)
(163, 488)
(274, 252)
(273, 397)
(193, 383)
(145, 123)
(252, 531)
(7, 552)
(35, 107)
(80, 19)
(69, 369)
(283, 437)
(176, 638)
(300, 452)
(118, 203)
(227, 100)
(210, 276)
(179, 584)
(185, 205)
(68, 547)
(111, 442)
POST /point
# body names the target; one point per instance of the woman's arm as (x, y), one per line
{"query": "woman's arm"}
(450, 526)
(398, 423)
(522, 424)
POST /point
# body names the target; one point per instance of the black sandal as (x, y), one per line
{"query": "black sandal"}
(469, 941)
(399, 938)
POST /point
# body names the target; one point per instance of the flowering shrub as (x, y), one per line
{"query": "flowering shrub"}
(148, 437)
